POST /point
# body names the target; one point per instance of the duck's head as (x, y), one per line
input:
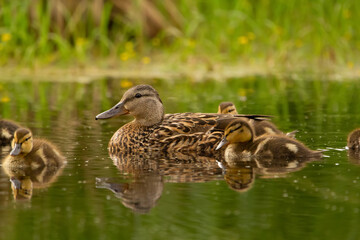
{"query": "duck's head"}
(227, 108)
(142, 102)
(22, 142)
(238, 131)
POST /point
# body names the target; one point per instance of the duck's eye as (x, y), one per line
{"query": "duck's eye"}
(27, 139)
(138, 95)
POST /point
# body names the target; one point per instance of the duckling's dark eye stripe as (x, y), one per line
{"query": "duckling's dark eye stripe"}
(233, 130)
(27, 139)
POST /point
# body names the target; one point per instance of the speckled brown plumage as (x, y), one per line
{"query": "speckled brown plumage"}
(152, 130)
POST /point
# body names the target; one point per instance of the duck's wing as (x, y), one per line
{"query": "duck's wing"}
(189, 123)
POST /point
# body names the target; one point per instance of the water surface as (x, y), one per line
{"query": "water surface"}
(94, 199)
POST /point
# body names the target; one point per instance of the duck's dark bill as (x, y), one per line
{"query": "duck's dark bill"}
(16, 150)
(15, 182)
(222, 143)
(116, 110)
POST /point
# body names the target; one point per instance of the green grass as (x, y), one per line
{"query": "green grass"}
(292, 35)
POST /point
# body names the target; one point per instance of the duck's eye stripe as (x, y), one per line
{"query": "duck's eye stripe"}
(233, 130)
(132, 98)
(27, 139)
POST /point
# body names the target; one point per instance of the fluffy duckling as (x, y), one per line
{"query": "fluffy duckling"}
(7, 129)
(353, 140)
(243, 143)
(227, 108)
(261, 127)
(152, 130)
(31, 153)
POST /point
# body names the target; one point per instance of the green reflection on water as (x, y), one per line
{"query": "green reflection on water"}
(319, 201)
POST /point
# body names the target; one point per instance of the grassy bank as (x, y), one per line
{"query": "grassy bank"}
(205, 36)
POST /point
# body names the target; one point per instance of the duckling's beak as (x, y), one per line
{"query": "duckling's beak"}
(16, 150)
(222, 143)
(16, 183)
(118, 109)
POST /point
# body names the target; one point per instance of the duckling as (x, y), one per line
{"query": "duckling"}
(7, 129)
(152, 130)
(227, 108)
(243, 143)
(32, 153)
(261, 127)
(353, 140)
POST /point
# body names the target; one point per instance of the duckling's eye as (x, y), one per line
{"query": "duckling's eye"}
(138, 95)
(27, 139)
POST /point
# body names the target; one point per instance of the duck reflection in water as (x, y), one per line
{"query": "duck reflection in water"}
(146, 175)
(140, 194)
(32, 163)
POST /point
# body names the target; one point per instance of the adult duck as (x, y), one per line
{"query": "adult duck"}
(152, 130)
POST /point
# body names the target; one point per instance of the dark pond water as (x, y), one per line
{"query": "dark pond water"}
(91, 198)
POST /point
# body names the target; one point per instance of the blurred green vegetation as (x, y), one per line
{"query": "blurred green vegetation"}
(295, 35)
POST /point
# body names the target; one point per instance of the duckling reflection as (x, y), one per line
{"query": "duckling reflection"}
(240, 175)
(7, 129)
(32, 163)
(239, 179)
(140, 195)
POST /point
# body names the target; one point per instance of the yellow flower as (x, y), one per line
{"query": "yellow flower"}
(146, 60)
(5, 99)
(125, 83)
(5, 37)
(243, 40)
(350, 65)
(124, 56)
